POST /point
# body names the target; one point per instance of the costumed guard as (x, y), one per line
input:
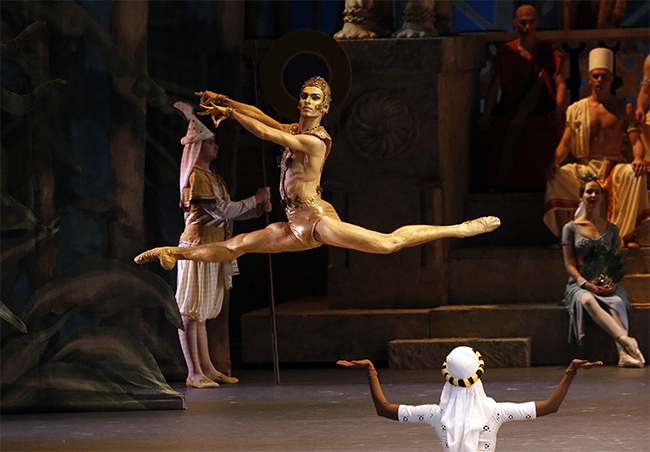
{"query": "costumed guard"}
(208, 212)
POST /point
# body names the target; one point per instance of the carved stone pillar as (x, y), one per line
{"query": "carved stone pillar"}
(400, 157)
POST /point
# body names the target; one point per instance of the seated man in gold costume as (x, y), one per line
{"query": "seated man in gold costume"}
(312, 222)
(595, 130)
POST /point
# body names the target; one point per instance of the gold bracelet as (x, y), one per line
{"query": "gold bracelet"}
(230, 113)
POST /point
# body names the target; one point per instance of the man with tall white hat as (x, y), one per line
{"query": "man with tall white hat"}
(466, 420)
(208, 212)
(596, 128)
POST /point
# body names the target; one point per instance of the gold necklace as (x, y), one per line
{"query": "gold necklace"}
(308, 131)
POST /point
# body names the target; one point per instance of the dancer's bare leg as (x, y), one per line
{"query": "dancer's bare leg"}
(207, 368)
(278, 238)
(602, 318)
(275, 238)
(611, 325)
(346, 235)
(189, 345)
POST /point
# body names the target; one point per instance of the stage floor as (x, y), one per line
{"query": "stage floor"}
(607, 409)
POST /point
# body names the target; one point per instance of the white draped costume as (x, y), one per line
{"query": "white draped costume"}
(627, 194)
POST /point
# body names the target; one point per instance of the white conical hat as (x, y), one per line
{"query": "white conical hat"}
(196, 134)
(601, 58)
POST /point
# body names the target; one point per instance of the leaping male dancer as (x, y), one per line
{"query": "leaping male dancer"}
(312, 222)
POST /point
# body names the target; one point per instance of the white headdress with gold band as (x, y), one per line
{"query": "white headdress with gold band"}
(601, 58)
(466, 408)
(196, 134)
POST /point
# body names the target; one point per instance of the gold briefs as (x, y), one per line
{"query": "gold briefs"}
(303, 216)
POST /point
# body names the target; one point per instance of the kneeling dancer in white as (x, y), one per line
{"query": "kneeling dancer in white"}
(467, 420)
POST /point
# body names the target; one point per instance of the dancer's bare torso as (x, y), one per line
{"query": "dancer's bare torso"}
(607, 127)
(300, 172)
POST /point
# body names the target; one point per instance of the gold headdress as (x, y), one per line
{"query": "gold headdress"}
(320, 83)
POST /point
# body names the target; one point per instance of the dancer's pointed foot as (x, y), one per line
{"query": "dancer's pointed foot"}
(631, 347)
(163, 255)
(478, 226)
(625, 360)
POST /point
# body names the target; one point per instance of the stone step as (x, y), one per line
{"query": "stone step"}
(546, 326)
(310, 332)
(528, 275)
(506, 275)
(419, 354)
(638, 288)
(637, 261)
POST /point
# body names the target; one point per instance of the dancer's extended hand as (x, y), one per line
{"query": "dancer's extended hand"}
(217, 112)
(582, 364)
(360, 364)
(208, 97)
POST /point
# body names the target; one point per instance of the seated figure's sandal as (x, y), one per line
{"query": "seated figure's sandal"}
(625, 360)
(631, 347)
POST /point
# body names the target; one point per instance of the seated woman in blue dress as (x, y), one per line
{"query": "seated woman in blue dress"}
(606, 304)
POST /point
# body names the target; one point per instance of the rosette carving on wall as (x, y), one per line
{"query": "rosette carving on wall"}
(381, 126)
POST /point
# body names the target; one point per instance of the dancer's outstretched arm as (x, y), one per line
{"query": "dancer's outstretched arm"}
(382, 406)
(552, 404)
(210, 99)
(308, 144)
